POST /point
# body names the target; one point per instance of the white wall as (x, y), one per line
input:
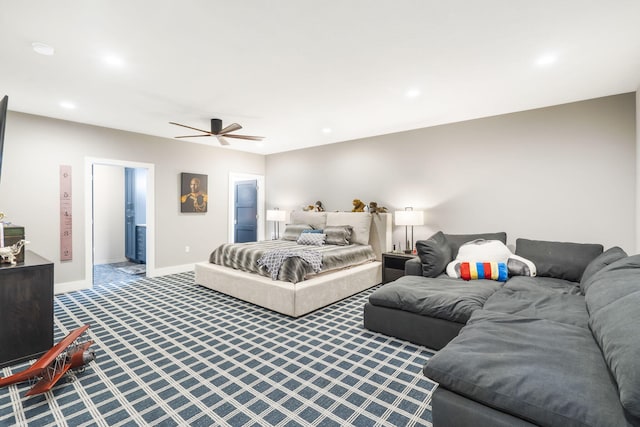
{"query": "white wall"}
(564, 173)
(35, 147)
(108, 217)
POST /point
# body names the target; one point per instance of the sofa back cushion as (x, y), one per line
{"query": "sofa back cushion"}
(609, 256)
(613, 298)
(457, 240)
(435, 254)
(561, 260)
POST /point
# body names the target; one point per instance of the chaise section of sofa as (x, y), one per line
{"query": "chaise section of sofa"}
(426, 306)
(426, 311)
(550, 357)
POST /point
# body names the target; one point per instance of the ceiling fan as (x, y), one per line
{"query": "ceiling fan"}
(219, 132)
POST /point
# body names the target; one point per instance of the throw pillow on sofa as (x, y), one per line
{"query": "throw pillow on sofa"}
(560, 260)
(480, 259)
(434, 253)
(457, 240)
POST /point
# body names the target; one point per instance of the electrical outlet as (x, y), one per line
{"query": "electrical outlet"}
(187, 249)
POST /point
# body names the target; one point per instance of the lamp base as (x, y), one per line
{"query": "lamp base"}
(407, 251)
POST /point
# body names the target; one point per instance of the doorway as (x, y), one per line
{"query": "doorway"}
(246, 207)
(119, 196)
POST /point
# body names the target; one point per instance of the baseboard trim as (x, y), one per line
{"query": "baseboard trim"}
(174, 269)
(63, 288)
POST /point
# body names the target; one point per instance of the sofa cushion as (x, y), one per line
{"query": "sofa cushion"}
(606, 258)
(546, 284)
(561, 260)
(613, 282)
(457, 240)
(538, 303)
(443, 298)
(547, 372)
(434, 253)
(613, 299)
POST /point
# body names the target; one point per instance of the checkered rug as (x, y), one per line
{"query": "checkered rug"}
(170, 353)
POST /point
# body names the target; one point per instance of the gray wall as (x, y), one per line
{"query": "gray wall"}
(35, 147)
(564, 173)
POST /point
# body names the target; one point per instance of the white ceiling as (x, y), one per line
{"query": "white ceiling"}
(287, 69)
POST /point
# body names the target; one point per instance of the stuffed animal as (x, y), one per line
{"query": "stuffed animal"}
(374, 208)
(308, 208)
(358, 206)
(318, 207)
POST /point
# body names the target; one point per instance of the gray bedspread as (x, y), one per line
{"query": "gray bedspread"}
(245, 256)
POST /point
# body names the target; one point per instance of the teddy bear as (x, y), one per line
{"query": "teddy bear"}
(358, 206)
(318, 207)
(374, 208)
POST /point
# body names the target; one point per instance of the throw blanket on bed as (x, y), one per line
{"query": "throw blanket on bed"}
(272, 260)
(245, 256)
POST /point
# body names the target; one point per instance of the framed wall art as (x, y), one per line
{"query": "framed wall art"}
(193, 192)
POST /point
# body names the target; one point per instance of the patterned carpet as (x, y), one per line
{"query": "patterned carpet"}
(170, 353)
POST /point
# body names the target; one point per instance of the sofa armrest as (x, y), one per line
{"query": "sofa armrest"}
(413, 267)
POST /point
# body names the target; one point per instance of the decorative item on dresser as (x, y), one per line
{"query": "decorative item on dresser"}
(408, 217)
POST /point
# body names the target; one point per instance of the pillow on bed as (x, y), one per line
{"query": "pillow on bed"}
(316, 219)
(312, 231)
(360, 221)
(293, 231)
(313, 239)
(338, 234)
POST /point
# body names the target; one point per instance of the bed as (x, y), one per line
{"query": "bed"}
(316, 290)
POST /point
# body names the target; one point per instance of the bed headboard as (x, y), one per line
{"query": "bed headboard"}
(379, 232)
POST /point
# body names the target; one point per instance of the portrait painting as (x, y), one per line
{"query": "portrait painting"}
(193, 192)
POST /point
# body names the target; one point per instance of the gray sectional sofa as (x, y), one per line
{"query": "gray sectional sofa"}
(558, 349)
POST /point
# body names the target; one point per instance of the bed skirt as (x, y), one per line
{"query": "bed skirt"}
(287, 298)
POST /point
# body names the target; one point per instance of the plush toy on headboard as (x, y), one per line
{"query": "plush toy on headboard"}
(374, 208)
(358, 206)
(318, 207)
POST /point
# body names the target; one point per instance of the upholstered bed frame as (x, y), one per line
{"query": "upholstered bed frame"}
(303, 297)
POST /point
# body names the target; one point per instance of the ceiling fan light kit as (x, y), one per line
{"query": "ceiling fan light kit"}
(219, 132)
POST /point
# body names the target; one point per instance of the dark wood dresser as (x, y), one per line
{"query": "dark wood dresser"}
(26, 309)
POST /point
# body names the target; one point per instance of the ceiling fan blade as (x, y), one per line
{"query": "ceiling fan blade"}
(222, 141)
(189, 127)
(191, 136)
(232, 127)
(252, 138)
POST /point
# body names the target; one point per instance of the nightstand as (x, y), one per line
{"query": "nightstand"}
(393, 265)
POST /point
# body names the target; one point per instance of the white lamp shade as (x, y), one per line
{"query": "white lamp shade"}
(409, 217)
(276, 215)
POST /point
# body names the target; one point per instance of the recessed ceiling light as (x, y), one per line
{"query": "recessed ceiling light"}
(546, 60)
(326, 130)
(68, 105)
(412, 93)
(113, 61)
(43, 49)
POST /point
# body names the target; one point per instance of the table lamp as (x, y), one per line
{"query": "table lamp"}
(277, 216)
(408, 217)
